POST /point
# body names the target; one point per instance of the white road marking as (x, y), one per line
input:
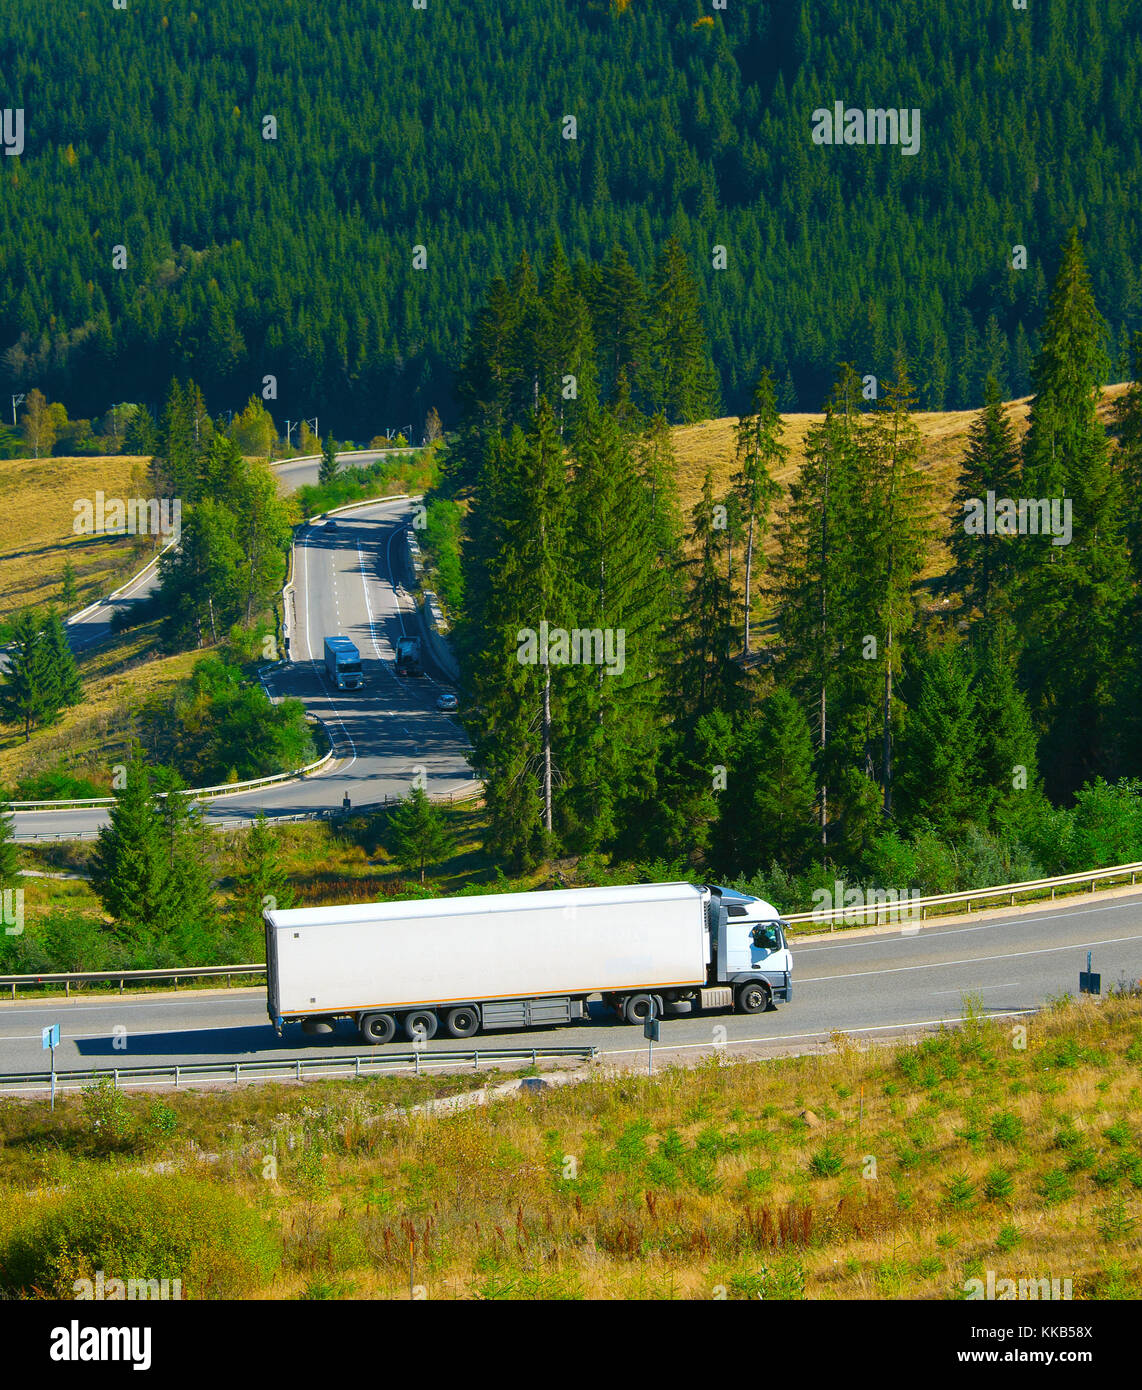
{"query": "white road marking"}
(971, 960)
(918, 933)
(789, 1037)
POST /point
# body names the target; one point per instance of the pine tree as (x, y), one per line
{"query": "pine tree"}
(418, 833)
(514, 563)
(614, 583)
(938, 780)
(767, 811)
(683, 383)
(706, 674)
(130, 866)
(819, 559)
(261, 883)
(27, 692)
(759, 452)
(68, 591)
(64, 685)
(327, 470)
(1065, 439)
(1073, 597)
(983, 563)
(897, 544)
(1006, 760)
(140, 436)
(9, 854)
(189, 913)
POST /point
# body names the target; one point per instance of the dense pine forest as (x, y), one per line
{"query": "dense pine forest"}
(150, 229)
(832, 713)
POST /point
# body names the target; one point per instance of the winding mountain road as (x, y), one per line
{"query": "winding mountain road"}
(348, 578)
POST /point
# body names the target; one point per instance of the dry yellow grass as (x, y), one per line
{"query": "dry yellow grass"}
(94, 735)
(36, 528)
(945, 442)
(899, 1171)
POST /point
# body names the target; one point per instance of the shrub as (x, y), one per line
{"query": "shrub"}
(139, 1226)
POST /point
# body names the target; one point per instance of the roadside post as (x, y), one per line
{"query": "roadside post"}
(1089, 981)
(50, 1036)
(651, 1031)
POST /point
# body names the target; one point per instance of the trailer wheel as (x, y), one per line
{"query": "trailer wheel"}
(377, 1028)
(421, 1023)
(463, 1022)
(637, 1008)
(752, 997)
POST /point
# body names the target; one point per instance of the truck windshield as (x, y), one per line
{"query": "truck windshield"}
(348, 665)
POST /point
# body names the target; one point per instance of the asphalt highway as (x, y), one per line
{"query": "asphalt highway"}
(869, 986)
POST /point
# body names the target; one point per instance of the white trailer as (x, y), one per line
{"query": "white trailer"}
(518, 960)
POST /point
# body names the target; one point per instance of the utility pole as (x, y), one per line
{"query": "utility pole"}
(17, 400)
(289, 430)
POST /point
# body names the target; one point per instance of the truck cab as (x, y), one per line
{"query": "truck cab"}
(748, 942)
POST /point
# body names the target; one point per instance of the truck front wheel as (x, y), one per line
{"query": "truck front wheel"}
(463, 1022)
(377, 1028)
(752, 997)
(637, 1008)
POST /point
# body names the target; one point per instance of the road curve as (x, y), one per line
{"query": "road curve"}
(348, 580)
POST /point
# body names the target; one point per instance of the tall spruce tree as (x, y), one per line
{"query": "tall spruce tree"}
(28, 693)
(896, 546)
(983, 562)
(260, 883)
(938, 782)
(616, 593)
(683, 383)
(760, 451)
(706, 675)
(130, 866)
(1006, 756)
(64, 685)
(1074, 596)
(820, 554)
(514, 565)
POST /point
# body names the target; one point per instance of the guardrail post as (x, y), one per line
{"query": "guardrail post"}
(357, 1065)
(115, 1078)
(534, 1061)
(176, 1070)
(120, 986)
(236, 1066)
(476, 1061)
(67, 989)
(299, 1068)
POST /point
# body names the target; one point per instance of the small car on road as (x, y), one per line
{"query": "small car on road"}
(447, 702)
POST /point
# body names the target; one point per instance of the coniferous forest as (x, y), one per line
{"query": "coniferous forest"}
(237, 190)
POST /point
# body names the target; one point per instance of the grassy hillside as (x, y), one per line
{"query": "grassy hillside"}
(899, 1172)
(945, 436)
(36, 529)
(119, 679)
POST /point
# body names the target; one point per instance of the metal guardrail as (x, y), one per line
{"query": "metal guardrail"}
(293, 1069)
(906, 909)
(220, 789)
(466, 793)
(100, 977)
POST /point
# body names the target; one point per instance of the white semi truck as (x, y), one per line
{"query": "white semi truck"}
(523, 960)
